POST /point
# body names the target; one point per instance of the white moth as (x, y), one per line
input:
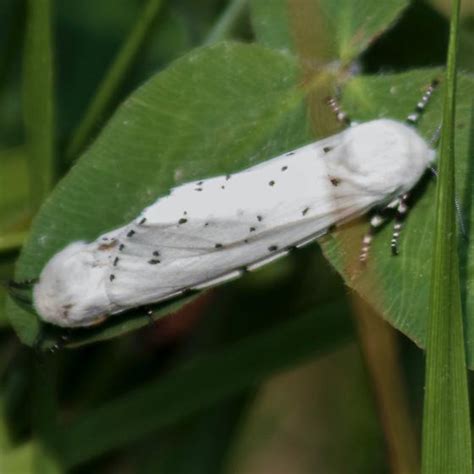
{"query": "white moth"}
(206, 232)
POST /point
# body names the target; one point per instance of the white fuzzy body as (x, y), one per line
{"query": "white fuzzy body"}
(206, 232)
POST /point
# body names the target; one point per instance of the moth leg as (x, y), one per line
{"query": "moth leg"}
(375, 222)
(341, 116)
(23, 285)
(41, 337)
(402, 210)
(413, 118)
(149, 313)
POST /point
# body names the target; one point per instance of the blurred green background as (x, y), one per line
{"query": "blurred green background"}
(266, 375)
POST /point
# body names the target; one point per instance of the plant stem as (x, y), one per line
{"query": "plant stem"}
(38, 98)
(222, 28)
(113, 79)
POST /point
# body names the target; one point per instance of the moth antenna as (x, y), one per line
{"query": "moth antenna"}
(434, 171)
(19, 291)
(435, 137)
(22, 285)
(149, 314)
(341, 116)
(413, 118)
(402, 210)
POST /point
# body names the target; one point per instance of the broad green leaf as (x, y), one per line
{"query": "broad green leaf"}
(336, 29)
(218, 110)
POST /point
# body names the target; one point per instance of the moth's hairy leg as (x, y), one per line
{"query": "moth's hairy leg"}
(149, 314)
(24, 284)
(375, 222)
(413, 118)
(402, 210)
(58, 344)
(341, 116)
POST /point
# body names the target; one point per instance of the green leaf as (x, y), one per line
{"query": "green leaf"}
(323, 29)
(218, 110)
(446, 420)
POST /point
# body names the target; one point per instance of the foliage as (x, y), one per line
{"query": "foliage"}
(203, 107)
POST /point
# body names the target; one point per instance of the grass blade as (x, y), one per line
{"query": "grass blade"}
(446, 423)
(38, 98)
(232, 13)
(44, 415)
(113, 79)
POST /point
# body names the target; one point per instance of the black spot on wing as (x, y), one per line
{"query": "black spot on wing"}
(182, 221)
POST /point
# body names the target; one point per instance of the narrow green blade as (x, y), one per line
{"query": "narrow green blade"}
(446, 423)
(38, 99)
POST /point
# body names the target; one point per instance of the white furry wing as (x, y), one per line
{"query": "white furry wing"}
(209, 231)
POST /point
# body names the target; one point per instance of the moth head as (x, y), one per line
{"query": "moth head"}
(71, 288)
(386, 155)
